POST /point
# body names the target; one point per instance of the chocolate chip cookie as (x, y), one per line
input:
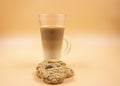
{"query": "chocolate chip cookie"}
(53, 72)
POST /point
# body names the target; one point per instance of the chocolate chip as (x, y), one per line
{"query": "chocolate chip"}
(49, 78)
(48, 67)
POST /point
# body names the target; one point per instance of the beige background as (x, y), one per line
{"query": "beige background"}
(20, 17)
(93, 27)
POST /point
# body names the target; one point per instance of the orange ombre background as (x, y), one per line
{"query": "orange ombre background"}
(20, 17)
(93, 27)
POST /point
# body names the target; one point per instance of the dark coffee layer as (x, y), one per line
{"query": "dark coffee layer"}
(52, 33)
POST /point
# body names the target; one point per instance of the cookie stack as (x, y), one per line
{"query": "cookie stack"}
(53, 72)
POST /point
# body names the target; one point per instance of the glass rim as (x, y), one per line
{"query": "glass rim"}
(47, 14)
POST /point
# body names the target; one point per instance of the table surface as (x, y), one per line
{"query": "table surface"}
(95, 61)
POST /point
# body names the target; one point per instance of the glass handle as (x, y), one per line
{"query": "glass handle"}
(68, 47)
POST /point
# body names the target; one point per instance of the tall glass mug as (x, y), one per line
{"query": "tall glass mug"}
(52, 31)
